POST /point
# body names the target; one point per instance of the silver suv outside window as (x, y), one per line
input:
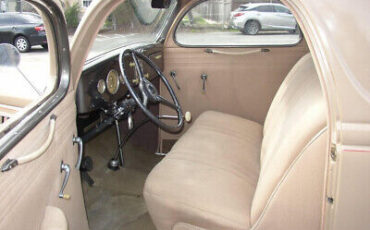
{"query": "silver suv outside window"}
(238, 23)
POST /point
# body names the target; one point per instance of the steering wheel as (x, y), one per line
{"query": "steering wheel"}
(149, 93)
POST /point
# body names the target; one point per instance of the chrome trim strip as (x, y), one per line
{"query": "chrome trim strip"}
(169, 117)
(20, 128)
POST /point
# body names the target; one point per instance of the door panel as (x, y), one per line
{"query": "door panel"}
(27, 190)
(241, 85)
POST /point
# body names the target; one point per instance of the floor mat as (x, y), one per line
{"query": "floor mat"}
(116, 201)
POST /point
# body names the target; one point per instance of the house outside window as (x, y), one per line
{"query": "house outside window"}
(86, 3)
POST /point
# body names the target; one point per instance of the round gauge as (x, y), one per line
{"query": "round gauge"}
(101, 86)
(112, 81)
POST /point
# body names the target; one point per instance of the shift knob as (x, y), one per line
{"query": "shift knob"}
(188, 116)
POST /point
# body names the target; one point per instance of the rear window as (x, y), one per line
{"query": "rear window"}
(265, 9)
(281, 9)
(243, 8)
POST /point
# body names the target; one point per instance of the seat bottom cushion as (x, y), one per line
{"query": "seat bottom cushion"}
(209, 177)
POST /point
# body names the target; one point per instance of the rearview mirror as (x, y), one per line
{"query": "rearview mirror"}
(161, 4)
(9, 55)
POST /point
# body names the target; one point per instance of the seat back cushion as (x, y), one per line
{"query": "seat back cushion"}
(297, 115)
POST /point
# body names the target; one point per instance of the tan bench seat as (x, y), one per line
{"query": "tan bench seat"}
(227, 172)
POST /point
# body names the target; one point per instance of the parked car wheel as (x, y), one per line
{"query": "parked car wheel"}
(45, 46)
(22, 44)
(251, 27)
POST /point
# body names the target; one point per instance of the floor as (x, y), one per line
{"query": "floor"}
(116, 200)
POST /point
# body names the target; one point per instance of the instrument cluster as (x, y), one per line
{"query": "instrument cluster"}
(103, 84)
(111, 83)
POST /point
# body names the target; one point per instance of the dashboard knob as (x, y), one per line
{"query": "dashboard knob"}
(188, 116)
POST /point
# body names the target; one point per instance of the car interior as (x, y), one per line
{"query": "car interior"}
(175, 135)
(257, 128)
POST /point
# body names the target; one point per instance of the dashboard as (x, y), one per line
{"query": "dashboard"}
(102, 85)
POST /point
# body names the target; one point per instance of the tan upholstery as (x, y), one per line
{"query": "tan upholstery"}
(218, 153)
(297, 114)
(227, 172)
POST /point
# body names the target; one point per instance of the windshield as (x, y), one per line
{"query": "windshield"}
(134, 21)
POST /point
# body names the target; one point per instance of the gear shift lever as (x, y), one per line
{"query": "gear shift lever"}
(116, 162)
(130, 121)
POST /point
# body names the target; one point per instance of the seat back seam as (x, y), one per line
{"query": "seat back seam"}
(286, 174)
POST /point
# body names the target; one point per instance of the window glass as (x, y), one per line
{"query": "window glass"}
(238, 23)
(265, 8)
(133, 21)
(86, 3)
(26, 18)
(282, 9)
(5, 19)
(24, 72)
(31, 18)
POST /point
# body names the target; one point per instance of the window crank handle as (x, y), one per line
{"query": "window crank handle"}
(67, 169)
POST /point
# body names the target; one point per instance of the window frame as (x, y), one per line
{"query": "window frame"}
(183, 14)
(12, 134)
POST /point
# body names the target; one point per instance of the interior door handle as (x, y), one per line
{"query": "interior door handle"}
(78, 140)
(67, 169)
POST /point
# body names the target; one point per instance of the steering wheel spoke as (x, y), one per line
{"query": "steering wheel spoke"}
(166, 102)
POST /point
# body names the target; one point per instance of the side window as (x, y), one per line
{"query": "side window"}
(267, 8)
(18, 20)
(24, 63)
(5, 20)
(237, 23)
(86, 3)
(281, 9)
